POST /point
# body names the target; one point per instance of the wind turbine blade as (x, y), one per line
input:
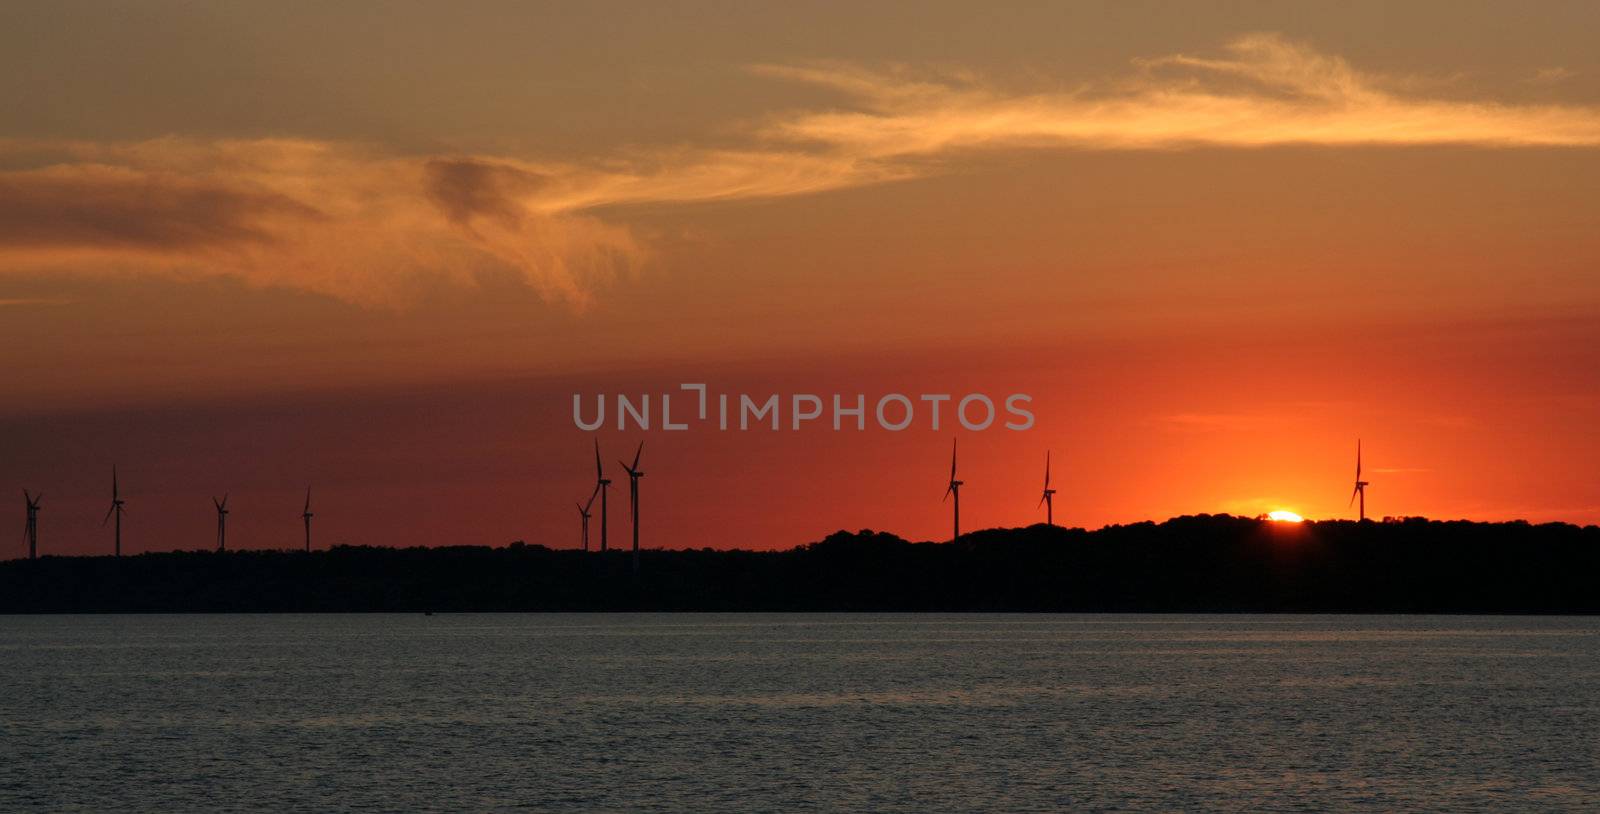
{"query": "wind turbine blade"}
(107, 518)
(1353, 494)
(1358, 459)
(636, 454)
(952, 459)
(1041, 501)
(113, 481)
(308, 500)
(216, 503)
(947, 491)
(1047, 469)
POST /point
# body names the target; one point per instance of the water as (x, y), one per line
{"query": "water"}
(790, 713)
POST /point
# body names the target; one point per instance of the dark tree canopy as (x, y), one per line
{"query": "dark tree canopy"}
(1188, 564)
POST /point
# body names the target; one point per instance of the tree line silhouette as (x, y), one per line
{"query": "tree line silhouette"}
(1202, 563)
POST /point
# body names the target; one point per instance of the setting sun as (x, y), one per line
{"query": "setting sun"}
(1284, 516)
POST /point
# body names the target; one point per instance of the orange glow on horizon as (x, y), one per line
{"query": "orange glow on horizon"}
(1213, 258)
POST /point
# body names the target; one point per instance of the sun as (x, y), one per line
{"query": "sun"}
(1284, 516)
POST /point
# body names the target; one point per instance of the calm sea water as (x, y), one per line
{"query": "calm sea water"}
(783, 713)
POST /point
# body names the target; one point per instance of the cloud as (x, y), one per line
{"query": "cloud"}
(1263, 91)
(374, 227)
(466, 189)
(361, 224)
(349, 221)
(1551, 76)
(94, 205)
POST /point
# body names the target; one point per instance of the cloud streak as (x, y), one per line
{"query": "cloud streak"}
(1263, 91)
(373, 227)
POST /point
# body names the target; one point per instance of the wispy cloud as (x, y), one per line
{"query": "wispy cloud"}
(1551, 76)
(349, 221)
(362, 224)
(367, 225)
(1263, 90)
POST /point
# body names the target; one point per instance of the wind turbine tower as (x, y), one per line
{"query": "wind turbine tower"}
(954, 489)
(116, 509)
(32, 533)
(305, 514)
(602, 483)
(222, 522)
(583, 511)
(1046, 501)
(633, 500)
(1361, 485)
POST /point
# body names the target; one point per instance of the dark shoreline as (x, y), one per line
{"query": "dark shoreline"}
(1199, 564)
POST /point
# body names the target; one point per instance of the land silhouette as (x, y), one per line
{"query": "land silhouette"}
(1203, 563)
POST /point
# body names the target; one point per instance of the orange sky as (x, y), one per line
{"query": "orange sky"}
(377, 250)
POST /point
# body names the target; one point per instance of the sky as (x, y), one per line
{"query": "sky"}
(376, 248)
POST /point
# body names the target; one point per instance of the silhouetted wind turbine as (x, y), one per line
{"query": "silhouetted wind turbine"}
(954, 489)
(602, 483)
(222, 522)
(1361, 485)
(32, 532)
(116, 509)
(1046, 502)
(305, 515)
(633, 500)
(583, 511)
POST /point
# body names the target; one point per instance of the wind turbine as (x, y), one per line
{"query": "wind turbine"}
(583, 511)
(603, 484)
(1361, 485)
(222, 522)
(32, 532)
(305, 515)
(954, 489)
(1046, 502)
(633, 500)
(116, 509)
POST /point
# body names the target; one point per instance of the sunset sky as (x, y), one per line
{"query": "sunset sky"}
(376, 248)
